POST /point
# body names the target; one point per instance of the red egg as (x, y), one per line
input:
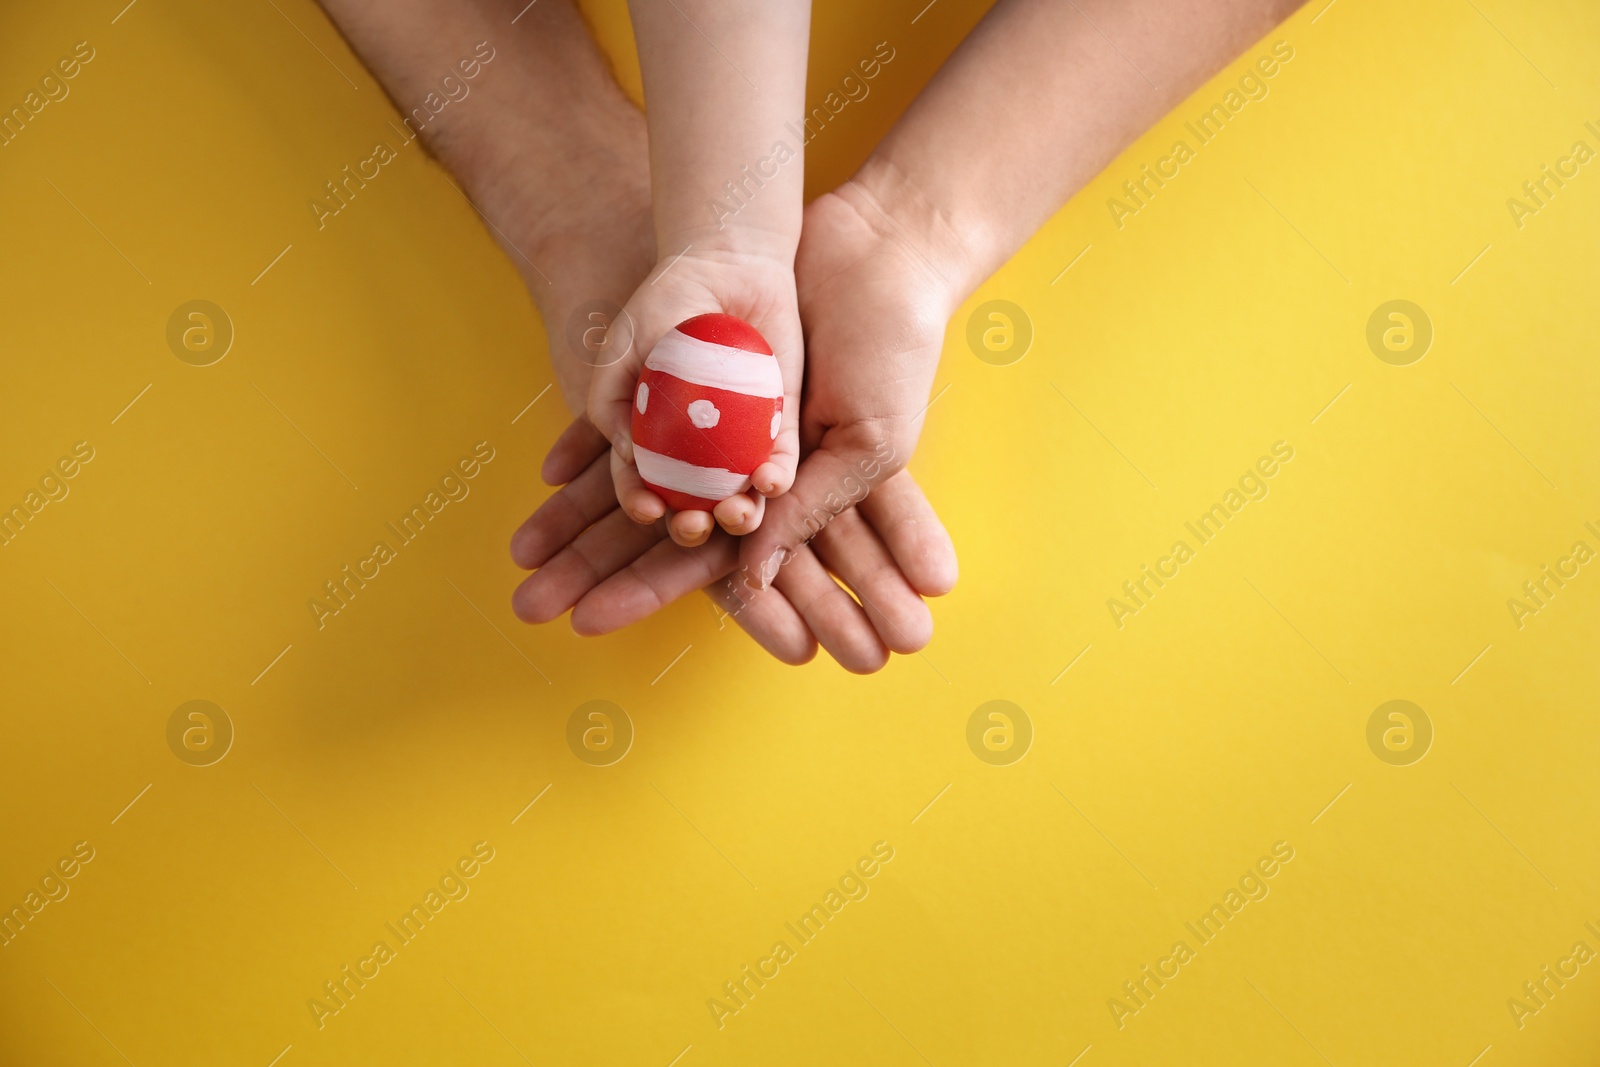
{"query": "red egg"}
(706, 411)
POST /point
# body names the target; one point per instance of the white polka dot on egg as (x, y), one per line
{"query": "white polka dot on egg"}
(704, 414)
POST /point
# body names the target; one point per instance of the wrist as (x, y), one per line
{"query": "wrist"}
(550, 182)
(760, 237)
(569, 203)
(960, 244)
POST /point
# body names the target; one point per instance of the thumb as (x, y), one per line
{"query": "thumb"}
(634, 331)
(835, 477)
(611, 389)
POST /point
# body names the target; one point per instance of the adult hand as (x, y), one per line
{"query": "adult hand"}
(875, 296)
(875, 307)
(610, 572)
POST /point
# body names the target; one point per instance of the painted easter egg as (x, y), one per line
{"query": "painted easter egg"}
(706, 411)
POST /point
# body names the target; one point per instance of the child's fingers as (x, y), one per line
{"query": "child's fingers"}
(776, 475)
(571, 510)
(578, 446)
(611, 389)
(921, 546)
(740, 513)
(636, 498)
(689, 529)
(850, 548)
(610, 408)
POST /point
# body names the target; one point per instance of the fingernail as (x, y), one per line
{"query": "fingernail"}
(769, 569)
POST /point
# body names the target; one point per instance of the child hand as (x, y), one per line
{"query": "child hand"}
(757, 287)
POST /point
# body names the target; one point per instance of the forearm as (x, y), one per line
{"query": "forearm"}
(719, 90)
(1033, 105)
(482, 126)
(517, 102)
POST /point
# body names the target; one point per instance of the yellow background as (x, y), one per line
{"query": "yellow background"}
(1173, 753)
